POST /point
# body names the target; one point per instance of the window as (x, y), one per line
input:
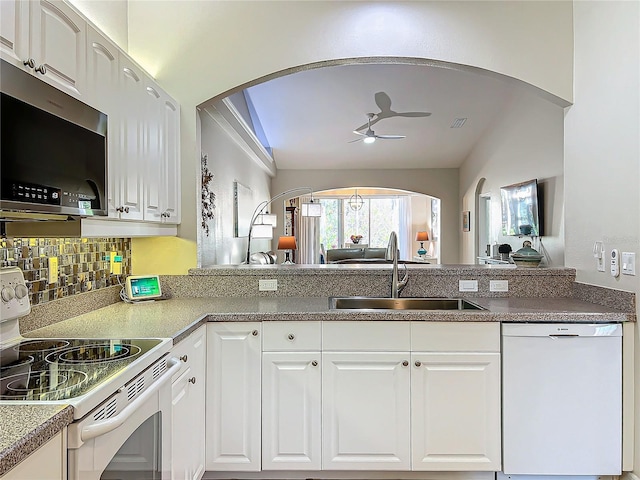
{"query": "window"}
(375, 221)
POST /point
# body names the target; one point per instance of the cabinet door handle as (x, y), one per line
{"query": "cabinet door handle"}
(291, 336)
(254, 333)
(405, 363)
(314, 363)
(192, 380)
(41, 69)
(418, 363)
(29, 62)
(184, 358)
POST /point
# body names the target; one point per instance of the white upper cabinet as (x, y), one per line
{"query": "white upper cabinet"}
(102, 73)
(14, 31)
(153, 151)
(58, 43)
(131, 149)
(171, 212)
(47, 39)
(162, 156)
(53, 42)
(102, 92)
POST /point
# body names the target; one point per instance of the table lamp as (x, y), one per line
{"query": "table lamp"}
(287, 243)
(422, 237)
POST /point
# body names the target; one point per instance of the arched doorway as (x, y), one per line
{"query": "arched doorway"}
(364, 217)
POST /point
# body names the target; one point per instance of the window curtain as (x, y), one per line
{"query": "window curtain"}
(308, 237)
(404, 227)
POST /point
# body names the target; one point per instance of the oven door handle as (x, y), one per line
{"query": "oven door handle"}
(106, 426)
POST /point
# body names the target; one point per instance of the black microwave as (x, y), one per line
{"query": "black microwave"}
(53, 149)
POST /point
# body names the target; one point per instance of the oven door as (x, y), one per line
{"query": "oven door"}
(134, 444)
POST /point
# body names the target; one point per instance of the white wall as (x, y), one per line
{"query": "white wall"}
(525, 142)
(198, 50)
(112, 17)
(602, 152)
(228, 162)
(438, 182)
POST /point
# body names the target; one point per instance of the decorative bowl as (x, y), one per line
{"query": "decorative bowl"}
(526, 257)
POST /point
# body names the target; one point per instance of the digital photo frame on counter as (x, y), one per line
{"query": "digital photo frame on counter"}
(143, 287)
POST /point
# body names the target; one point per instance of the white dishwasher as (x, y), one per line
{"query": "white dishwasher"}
(562, 399)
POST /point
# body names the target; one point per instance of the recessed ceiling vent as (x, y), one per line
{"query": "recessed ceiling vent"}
(458, 122)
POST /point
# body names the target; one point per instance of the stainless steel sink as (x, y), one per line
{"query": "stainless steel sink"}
(409, 303)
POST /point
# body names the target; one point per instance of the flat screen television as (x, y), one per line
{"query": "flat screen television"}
(521, 209)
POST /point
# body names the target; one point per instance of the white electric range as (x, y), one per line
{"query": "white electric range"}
(119, 389)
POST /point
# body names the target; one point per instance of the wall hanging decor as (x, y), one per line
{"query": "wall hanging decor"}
(466, 221)
(208, 197)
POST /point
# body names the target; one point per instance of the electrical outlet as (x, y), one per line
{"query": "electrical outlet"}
(468, 285)
(53, 270)
(116, 266)
(112, 256)
(498, 285)
(268, 285)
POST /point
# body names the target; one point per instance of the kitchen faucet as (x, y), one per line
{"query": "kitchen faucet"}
(392, 254)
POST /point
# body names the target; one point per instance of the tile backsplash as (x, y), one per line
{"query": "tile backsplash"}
(83, 264)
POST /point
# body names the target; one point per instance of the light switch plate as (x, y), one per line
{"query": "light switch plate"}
(468, 285)
(268, 285)
(498, 285)
(628, 263)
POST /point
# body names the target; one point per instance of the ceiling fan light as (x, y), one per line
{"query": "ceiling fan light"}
(369, 139)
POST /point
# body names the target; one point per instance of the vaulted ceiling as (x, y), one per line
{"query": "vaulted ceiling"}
(309, 117)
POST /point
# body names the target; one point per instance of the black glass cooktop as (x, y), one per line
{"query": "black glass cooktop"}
(55, 369)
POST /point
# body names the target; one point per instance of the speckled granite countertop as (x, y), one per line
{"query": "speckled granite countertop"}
(25, 428)
(178, 317)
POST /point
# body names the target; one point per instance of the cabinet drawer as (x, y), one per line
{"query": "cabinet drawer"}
(291, 336)
(455, 337)
(366, 336)
(190, 351)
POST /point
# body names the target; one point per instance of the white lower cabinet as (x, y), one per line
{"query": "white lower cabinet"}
(366, 411)
(233, 407)
(49, 462)
(353, 396)
(455, 407)
(188, 401)
(291, 413)
(291, 395)
(455, 396)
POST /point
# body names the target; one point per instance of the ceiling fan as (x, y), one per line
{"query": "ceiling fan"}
(384, 104)
(369, 136)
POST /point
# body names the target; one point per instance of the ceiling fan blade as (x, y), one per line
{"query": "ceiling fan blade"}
(412, 114)
(391, 137)
(360, 133)
(383, 102)
(356, 140)
(369, 123)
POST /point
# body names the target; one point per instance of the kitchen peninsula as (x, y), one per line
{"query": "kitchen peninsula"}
(231, 294)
